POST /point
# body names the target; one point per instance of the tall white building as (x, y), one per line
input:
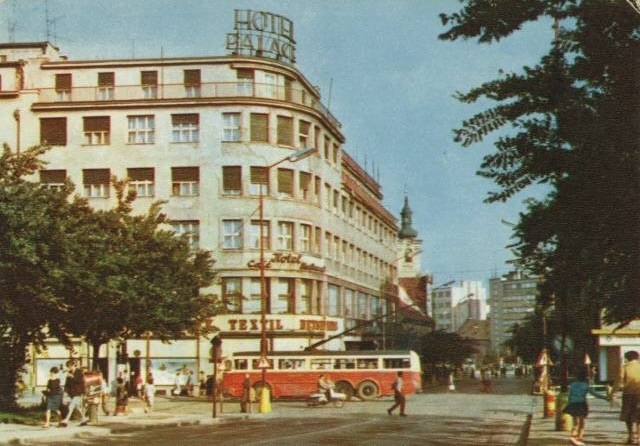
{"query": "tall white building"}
(208, 135)
(453, 304)
(512, 299)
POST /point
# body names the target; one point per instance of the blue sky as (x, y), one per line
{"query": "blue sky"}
(381, 70)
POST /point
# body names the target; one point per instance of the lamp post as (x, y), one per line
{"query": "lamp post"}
(265, 397)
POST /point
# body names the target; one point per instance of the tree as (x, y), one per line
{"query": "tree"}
(69, 271)
(441, 349)
(132, 278)
(33, 253)
(573, 119)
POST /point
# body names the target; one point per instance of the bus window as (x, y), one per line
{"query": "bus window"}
(240, 364)
(368, 363)
(290, 364)
(396, 363)
(255, 363)
(320, 363)
(344, 363)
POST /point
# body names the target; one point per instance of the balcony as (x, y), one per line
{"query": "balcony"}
(181, 93)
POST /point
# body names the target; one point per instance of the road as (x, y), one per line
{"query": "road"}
(437, 417)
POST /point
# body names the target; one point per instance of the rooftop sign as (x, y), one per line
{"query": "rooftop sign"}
(262, 34)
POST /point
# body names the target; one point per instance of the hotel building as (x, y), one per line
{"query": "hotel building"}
(213, 136)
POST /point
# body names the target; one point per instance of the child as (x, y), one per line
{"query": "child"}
(149, 395)
(577, 406)
(54, 396)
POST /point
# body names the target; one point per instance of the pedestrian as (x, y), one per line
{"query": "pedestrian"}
(53, 392)
(202, 381)
(139, 384)
(629, 381)
(577, 406)
(398, 396)
(74, 386)
(149, 395)
(245, 402)
(105, 392)
(122, 397)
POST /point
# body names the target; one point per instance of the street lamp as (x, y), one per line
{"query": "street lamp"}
(264, 363)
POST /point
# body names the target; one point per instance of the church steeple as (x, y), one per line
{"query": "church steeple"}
(406, 231)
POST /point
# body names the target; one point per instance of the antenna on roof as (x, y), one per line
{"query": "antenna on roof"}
(11, 22)
(50, 24)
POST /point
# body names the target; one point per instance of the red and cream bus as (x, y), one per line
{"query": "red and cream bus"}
(367, 374)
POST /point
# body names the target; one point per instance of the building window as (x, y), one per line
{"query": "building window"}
(285, 131)
(317, 240)
(362, 306)
(106, 86)
(349, 303)
(190, 230)
(253, 305)
(245, 82)
(304, 183)
(149, 82)
(185, 181)
(303, 133)
(304, 241)
(254, 235)
(285, 182)
(97, 130)
(231, 127)
(53, 131)
(327, 145)
(305, 297)
(231, 234)
(285, 236)
(259, 180)
(185, 128)
(141, 180)
(53, 179)
(327, 195)
(63, 87)
(141, 129)
(336, 150)
(192, 83)
(96, 182)
(259, 127)
(232, 294)
(333, 301)
(316, 189)
(285, 297)
(232, 180)
(270, 86)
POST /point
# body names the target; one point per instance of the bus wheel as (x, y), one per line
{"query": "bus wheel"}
(346, 388)
(258, 389)
(367, 390)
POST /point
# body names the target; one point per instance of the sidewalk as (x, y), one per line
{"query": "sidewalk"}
(603, 428)
(168, 411)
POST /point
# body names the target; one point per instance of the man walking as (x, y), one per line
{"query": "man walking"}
(398, 396)
(74, 386)
(630, 382)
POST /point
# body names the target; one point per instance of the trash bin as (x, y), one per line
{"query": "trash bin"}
(549, 406)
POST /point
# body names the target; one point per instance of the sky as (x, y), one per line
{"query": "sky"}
(381, 70)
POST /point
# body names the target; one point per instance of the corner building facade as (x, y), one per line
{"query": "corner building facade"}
(210, 135)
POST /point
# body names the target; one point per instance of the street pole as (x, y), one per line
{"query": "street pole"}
(265, 397)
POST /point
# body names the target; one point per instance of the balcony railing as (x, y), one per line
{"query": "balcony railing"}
(184, 92)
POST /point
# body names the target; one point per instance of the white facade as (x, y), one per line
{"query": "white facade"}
(453, 304)
(203, 134)
(512, 299)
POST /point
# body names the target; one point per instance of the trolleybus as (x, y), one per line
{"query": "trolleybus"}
(366, 374)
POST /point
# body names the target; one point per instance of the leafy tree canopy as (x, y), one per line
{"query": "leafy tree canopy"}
(570, 121)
